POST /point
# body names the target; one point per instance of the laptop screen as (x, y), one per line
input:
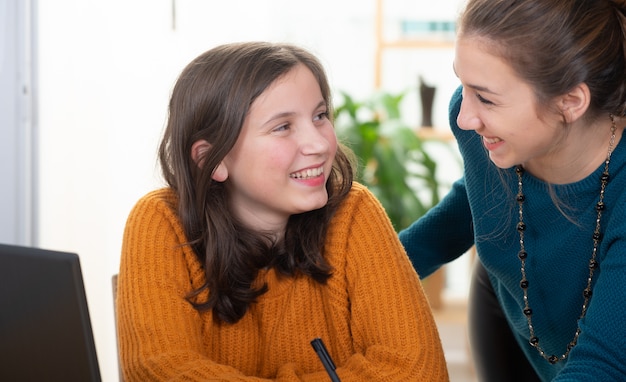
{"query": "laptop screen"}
(45, 329)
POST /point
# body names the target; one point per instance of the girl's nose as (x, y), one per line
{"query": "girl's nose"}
(313, 141)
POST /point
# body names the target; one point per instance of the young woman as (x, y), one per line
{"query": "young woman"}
(539, 121)
(262, 242)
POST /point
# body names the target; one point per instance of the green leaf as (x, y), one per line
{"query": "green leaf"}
(394, 163)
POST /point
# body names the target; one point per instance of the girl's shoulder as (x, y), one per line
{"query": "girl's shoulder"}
(360, 210)
(165, 195)
(163, 199)
(155, 209)
(359, 196)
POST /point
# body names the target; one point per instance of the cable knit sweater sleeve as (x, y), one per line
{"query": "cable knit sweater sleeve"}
(393, 332)
(372, 313)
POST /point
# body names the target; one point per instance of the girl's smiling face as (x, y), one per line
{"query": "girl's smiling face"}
(283, 156)
(502, 108)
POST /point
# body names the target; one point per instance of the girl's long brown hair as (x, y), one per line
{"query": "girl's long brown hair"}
(209, 102)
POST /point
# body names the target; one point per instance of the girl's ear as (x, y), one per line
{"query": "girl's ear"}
(575, 103)
(220, 174)
(198, 153)
(199, 150)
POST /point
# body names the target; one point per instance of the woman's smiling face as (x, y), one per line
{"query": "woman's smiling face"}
(284, 154)
(501, 107)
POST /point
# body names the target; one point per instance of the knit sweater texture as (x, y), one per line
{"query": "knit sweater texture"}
(481, 208)
(372, 314)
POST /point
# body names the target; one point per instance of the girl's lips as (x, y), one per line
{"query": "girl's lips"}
(308, 173)
(311, 177)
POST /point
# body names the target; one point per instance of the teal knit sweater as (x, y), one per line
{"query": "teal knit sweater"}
(481, 209)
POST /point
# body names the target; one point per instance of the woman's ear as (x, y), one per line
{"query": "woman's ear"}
(575, 103)
(198, 154)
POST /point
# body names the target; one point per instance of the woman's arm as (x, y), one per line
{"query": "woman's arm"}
(444, 233)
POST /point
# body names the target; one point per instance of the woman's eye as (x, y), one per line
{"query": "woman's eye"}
(483, 100)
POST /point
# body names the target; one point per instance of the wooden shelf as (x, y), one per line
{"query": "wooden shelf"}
(432, 133)
(434, 42)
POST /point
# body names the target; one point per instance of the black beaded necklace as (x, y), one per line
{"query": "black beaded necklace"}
(593, 263)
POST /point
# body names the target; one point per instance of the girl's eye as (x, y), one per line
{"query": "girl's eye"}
(284, 127)
(322, 115)
(483, 100)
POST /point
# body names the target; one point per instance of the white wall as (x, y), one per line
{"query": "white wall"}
(16, 125)
(105, 72)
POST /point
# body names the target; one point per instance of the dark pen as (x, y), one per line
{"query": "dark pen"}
(321, 351)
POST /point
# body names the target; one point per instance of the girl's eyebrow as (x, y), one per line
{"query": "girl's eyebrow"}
(278, 116)
(289, 113)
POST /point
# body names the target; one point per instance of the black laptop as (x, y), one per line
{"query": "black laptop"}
(45, 329)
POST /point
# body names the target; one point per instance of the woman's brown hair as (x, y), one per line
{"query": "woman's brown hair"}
(555, 45)
(210, 101)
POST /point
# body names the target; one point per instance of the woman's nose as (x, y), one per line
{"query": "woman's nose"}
(468, 119)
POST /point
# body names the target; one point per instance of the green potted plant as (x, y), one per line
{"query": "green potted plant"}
(394, 162)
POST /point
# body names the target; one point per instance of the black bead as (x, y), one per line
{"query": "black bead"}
(534, 341)
(528, 312)
(519, 170)
(604, 177)
(522, 255)
(593, 264)
(520, 198)
(523, 284)
(597, 236)
(521, 226)
(553, 359)
(587, 293)
(600, 206)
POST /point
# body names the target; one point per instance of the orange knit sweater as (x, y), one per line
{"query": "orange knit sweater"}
(372, 314)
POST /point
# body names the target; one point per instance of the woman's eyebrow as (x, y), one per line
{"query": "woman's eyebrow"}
(481, 89)
(475, 87)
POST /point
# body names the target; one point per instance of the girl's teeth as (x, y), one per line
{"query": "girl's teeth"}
(310, 173)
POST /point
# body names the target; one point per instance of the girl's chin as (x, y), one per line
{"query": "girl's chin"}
(315, 204)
